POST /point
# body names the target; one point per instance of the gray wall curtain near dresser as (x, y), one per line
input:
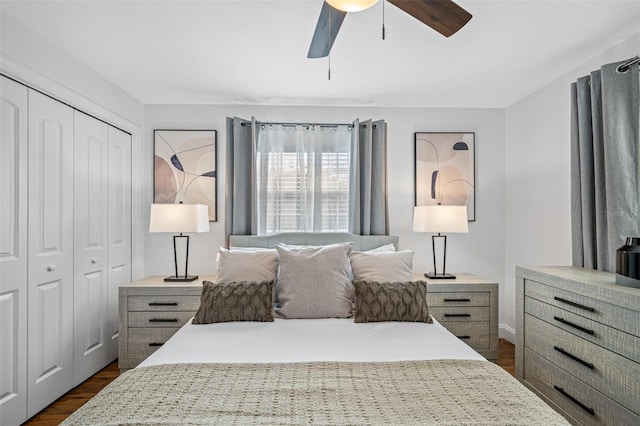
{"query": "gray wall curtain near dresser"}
(605, 158)
(368, 207)
(240, 217)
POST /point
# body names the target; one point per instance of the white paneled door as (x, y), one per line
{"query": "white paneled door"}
(90, 245)
(13, 252)
(50, 248)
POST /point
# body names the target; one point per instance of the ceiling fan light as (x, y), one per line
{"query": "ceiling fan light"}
(351, 5)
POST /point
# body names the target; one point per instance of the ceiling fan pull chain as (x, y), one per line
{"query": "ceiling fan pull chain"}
(329, 68)
(383, 31)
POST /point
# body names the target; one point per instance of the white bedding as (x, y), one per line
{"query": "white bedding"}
(308, 340)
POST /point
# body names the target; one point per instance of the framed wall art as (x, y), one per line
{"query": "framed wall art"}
(445, 169)
(185, 168)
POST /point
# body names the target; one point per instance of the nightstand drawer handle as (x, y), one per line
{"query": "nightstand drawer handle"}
(576, 326)
(575, 401)
(163, 320)
(577, 305)
(457, 300)
(163, 304)
(155, 344)
(573, 357)
(457, 315)
(464, 337)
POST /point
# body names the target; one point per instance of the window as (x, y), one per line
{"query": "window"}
(302, 178)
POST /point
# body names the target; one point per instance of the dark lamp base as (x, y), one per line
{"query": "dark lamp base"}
(181, 279)
(433, 276)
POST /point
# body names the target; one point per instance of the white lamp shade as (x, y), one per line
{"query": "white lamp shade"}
(179, 218)
(352, 5)
(447, 219)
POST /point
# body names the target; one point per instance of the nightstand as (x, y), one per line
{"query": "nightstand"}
(467, 306)
(151, 311)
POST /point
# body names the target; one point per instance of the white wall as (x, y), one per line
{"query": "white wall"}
(34, 61)
(480, 252)
(538, 183)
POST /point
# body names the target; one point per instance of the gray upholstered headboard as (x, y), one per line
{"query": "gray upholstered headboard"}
(360, 242)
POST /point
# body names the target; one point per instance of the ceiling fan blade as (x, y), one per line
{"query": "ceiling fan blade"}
(444, 16)
(330, 18)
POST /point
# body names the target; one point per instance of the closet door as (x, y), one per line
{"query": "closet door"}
(50, 248)
(119, 228)
(90, 242)
(13, 252)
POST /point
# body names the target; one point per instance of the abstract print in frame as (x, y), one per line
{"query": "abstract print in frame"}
(185, 168)
(445, 169)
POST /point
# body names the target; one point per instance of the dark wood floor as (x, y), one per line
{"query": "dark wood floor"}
(75, 398)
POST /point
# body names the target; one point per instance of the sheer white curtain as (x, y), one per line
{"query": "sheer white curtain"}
(303, 177)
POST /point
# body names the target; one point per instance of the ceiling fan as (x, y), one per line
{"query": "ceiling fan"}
(444, 16)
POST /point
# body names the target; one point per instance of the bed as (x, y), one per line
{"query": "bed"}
(288, 370)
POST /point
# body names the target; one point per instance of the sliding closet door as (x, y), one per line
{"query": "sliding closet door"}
(50, 299)
(13, 252)
(90, 241)
(119, 229)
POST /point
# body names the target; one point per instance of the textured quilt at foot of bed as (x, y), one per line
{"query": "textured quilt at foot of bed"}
(438, 392)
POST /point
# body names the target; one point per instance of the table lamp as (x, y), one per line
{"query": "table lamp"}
(440, 219)
(179, 218)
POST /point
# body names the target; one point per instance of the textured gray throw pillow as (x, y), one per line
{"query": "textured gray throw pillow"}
(315, 281)
(406, 301)
(235, 301)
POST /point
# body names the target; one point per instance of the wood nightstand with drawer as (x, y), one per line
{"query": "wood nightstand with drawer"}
(578, 343)
(467, 306)
(151, 311)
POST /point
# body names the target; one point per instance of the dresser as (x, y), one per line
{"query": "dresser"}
(467, 306)
(151, 311)
(578, 343)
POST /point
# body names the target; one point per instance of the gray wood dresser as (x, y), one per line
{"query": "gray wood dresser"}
(578, 344)
(151, 311)
(467, 306)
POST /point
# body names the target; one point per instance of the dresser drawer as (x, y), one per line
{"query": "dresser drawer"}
(602, 312)
(142, 342)
(163, 303)
(474, 334)
(607, 337)
(159, 319)
(579, 400)
(607, 372)
(460, 314)
(458, 299)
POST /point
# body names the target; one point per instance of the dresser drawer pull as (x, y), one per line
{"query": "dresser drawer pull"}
(577, 305)
(575, 401)
(457, 315)
(576, 326)
(163, 304)
(573, 357)
(457, 300)
(155, 344)
(464, 337)
(163, 320)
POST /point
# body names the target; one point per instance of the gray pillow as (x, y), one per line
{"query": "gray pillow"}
(401, 301)
(235, 301)
(315, 281)
(382, 266)
(244, 265)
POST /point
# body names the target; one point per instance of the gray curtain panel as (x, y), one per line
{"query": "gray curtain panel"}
(605, 158)
(240, 217)
(368, 207)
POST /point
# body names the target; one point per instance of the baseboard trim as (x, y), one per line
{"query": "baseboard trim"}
(507, 333)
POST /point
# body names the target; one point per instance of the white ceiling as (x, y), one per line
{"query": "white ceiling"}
(254, 52)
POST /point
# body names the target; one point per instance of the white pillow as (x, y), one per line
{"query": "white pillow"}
(382, 267)
(240, 265)
(387, 248)
(315, 281)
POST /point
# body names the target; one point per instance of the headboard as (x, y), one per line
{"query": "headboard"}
(360, 242)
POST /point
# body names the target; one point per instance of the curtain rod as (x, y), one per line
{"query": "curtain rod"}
(244, 123)
(625, 67)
